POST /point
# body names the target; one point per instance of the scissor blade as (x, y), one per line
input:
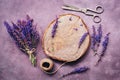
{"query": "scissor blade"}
(70, 8)
(73, 8)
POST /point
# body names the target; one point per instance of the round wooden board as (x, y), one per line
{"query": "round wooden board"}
(64, 45)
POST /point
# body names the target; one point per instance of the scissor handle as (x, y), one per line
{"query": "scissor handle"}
(99, 9)
(96, 19)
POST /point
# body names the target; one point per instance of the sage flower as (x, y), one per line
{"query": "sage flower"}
(93, 38)
(54, 28)
(99, 35)
(76, 70)
(105, 43)
(82, 39)
(25, 36)
(104, 46)
(96, 38)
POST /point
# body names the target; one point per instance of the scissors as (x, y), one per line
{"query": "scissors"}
(86, 11)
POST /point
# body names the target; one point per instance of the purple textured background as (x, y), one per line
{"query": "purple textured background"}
(14, 65)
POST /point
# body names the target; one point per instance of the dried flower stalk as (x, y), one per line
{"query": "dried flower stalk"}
(76, 70)
(104, 46)
(96, 38)
(54, 28)
(82, 39)
(25, 36)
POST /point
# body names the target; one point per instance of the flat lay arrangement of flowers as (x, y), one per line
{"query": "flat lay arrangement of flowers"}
(69, 44)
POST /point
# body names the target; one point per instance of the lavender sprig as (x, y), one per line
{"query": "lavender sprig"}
(54, 28)
(82, 39)
(104, 46)
(96, 38)
(105, 43)
(76, 70)
(99, 35)
(93, 38)
(25, 36)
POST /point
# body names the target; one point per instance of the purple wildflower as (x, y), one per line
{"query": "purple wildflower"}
(79, 70)
(99, 35)
(96, 38)
(76, 29)
(70, 19)
(93, 38)
(9, 29)
(54, 28)
(82, 39)
(76, 70)
(104, 47)
(25, 36)
(105, 43)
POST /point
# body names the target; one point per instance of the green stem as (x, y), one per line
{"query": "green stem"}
(33, 60)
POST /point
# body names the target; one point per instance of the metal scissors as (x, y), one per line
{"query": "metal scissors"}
(86, 11)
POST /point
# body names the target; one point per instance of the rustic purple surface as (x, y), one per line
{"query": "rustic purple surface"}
(14, 65)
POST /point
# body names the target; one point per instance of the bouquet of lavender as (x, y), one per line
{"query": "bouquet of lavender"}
(25, 36)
